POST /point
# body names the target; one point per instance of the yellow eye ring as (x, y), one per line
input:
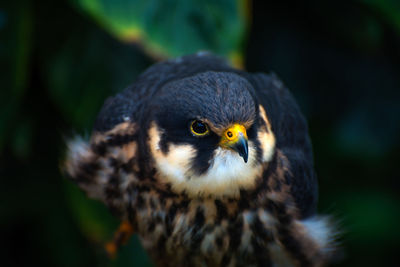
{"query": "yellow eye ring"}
(199, 128)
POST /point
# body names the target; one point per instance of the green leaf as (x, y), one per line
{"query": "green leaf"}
(22, 142)
(370, 216)
(87, 69)
(175, 27)
(92, 217)
(15, 50)
(390, 9)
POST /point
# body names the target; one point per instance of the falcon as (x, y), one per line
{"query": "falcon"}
(209, 165)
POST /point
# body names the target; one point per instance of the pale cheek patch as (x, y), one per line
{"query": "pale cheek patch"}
(266, 138)
(175, 164)
(267, 141)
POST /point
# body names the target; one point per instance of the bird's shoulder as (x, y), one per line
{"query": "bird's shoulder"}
(292, 138)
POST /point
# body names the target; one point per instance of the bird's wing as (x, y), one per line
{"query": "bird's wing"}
(291, 133)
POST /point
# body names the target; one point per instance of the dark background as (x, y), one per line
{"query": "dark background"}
(340, 59)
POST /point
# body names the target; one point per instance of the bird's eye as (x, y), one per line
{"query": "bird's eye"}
(199, 128)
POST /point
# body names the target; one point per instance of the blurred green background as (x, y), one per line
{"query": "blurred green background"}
(61, 59)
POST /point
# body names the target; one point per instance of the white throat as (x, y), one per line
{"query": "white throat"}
(228, 173)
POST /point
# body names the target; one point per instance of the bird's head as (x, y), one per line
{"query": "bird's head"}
(208, 135)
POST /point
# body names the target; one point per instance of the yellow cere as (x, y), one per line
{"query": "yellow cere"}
(232, 134)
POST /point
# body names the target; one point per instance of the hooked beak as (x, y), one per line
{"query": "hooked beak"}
(235, 138)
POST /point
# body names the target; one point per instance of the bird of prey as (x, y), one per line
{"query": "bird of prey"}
(209, 165)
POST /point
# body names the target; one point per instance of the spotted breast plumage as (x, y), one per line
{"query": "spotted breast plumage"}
(209, 165)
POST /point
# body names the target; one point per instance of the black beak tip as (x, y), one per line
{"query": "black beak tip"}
(243, 150)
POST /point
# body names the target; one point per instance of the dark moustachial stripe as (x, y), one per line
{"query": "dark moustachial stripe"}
(202, 160)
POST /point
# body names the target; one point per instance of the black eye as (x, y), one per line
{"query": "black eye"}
(199, 128)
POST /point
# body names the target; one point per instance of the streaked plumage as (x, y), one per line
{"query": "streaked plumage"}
(238, 189)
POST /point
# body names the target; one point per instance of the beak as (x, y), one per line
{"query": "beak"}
(235, 138)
